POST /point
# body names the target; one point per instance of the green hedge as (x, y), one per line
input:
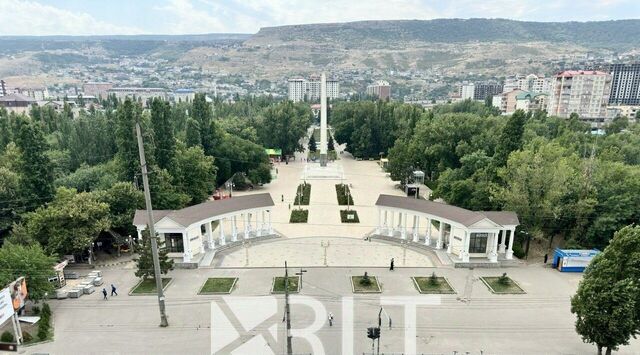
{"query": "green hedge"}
(306, 195)
(345, 219)
(343, 198)
(299, 216)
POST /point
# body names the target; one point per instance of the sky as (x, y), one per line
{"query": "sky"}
(108, 17)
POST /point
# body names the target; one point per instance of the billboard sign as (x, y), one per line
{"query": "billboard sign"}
(6, 306)
(19, 293)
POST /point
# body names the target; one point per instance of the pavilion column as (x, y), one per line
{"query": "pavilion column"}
(385, 224)
(258, 226)
(223, 240)
(427, 238)
(270, 227)
(139, 235)
(403, 222)
(207, 228)
(234, 229)
(449, 247)
(440, 235)
(512, 235)
(464, 254)
(390, 227)
(416, 226)
(379, 228)
(263, 225)
(246, 225)
(186, 252)
(503, 246)
(493, 253)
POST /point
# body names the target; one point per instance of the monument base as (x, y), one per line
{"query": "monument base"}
(314, 171)
(323, 160)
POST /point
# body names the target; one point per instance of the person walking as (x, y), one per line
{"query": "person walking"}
(330, 319)
(282, 198)
(391, 266)
(104, 294)
(113, 290)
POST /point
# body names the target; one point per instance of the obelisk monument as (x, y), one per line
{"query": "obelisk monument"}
(323, 120)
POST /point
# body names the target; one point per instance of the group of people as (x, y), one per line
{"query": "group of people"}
(113, 292)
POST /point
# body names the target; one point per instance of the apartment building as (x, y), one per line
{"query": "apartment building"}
(584, 92)
(301, 89)
(380, 89)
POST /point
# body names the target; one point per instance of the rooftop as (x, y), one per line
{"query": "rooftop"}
(202, 211)
(569, 73)
(452, 213)
(15, 97)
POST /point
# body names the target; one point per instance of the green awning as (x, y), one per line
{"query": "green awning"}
(270, 151)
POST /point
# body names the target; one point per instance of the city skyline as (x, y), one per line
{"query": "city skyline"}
(73, 17)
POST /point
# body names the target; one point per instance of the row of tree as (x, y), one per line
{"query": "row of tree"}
(67, 180)
(559, 177)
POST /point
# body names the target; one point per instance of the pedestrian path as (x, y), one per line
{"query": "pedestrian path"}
(322, 252)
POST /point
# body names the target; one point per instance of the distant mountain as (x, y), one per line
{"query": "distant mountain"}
(621, 34)
(117, 44)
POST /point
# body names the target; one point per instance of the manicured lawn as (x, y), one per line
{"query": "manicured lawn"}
(215, 285)
(304, 199)
(278, 284)
(299, 216)
(148, 286)
(426, 285)
(349, 216)
(344, 195)
(495, 286)
(359, 287)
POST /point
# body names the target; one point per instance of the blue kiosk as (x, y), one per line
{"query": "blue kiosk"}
(572, 260)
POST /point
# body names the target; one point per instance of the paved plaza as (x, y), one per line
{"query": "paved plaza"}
(310, 251)
(538, 322)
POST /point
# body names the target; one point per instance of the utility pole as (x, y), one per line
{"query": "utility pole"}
(152, 230)
(287, 313)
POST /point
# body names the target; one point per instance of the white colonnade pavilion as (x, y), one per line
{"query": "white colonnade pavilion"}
(189, 232)
(464, 234)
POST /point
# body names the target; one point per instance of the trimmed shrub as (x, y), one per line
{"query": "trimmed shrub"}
(433, 279)
(504, 279)
(344, 216)
(7, 337)
(303, 199)
(365, 280)
(518, 252)
(299, 216)
(344, 195)
(43, 332)
(46, 310)
(35, 310)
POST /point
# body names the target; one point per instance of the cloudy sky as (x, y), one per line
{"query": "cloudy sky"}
(91, 17)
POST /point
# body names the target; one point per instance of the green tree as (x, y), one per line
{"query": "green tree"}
(144, 261)
(510, 137)
(283, 125)
(163, 132)
(31, 262)
(330, 143)
(193, 133)
(69, 224)
(128, 113)
(203, 114)
(312, 144)
(195, 173)
(617, 124)
(36, 171)
(606, 303)
(123, 200)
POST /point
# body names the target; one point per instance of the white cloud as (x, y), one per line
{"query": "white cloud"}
(24, 17)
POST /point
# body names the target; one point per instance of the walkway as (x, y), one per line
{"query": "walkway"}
(309, 252)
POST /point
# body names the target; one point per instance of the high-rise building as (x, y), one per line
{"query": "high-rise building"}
(479, 91)
(301, 89)
(380, 89)
(3, 88)
(625, 84)
(530, 83)
(580, 91)
(486, 89)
